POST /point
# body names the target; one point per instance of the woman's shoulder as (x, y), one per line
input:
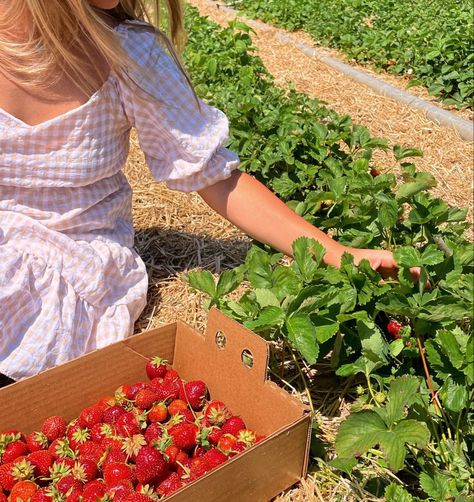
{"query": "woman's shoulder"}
(140, 40)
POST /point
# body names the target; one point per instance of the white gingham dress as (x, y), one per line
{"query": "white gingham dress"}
(70, 281)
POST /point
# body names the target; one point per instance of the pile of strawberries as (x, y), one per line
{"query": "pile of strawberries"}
(140, 445)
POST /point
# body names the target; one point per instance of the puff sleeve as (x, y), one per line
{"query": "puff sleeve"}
(183, 144)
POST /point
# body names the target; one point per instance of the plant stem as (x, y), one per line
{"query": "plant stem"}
(427, 373)
(303, 379)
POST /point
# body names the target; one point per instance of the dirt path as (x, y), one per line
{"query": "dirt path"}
(446, 156)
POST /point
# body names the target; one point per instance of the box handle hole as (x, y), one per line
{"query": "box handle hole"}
(220, 340)
(247, 358)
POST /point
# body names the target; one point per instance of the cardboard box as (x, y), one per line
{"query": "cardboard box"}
(257, 474)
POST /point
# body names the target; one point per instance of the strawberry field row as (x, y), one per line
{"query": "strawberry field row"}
(412, 415)
(429, 42)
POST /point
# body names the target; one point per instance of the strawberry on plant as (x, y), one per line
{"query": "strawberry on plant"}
(194, 393)
(375, 172)
(156, 368)
(23, 491)
(54, 427)
(394, 327)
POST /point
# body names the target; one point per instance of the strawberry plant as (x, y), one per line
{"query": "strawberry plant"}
(429, 43)
(320, 164)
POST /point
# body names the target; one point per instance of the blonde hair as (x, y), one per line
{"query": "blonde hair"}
(67, 35)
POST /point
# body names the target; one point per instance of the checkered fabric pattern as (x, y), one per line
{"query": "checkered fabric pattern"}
(70, 281)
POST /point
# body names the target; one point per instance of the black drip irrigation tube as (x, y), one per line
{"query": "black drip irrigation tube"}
(445, 118)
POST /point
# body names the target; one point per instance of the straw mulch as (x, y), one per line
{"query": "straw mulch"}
(446, 156)
(177, 232)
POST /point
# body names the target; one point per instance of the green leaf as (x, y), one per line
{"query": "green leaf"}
(435, 486)
(374, 346)
(308, 254)
(401, 394)
(269, 317)
(407, 190)
(396, 493)
(394, 450)
(343, 464)
(228, 281)
(203, 281)
(412, 432)
(432, 255)
(302, 335)
(359, 433)
(396, 347)
(407, 257)
(266, 297)
(388, 214)
(402, 153)
(454, 395)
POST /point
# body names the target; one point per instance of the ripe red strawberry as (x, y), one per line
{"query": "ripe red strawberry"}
(23, 491)
(175, 456)
(233, 426)
(214, 457)
(169, 485)
(110, 415)
(153, 432)
(93, 491)
(43, 495)
(121, 394)
(91, 451)
(138, 497)
(134, 389)
(67, 483)
(13, 451)
(60, 448)
(85, 470)
(217, 413)
(75, 435)
(37, 441)
(156, 368)
(90, 416)
(393, 327)
(3, 497)
(42, 460)
(158, 413)
(120, 491)
(7, 479)
(194, 393)
(375, 172)
(101, 431)
(54, 427)
(214, 435)
(150, 464)
(184, 435)
(177, 406)
(15, 434)
(168, 389)
(112, 442)
(226, 443)
(114, 455)
(114, 472)
(106, 402)
(198, 466)
(127, 424)
(145, 398)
